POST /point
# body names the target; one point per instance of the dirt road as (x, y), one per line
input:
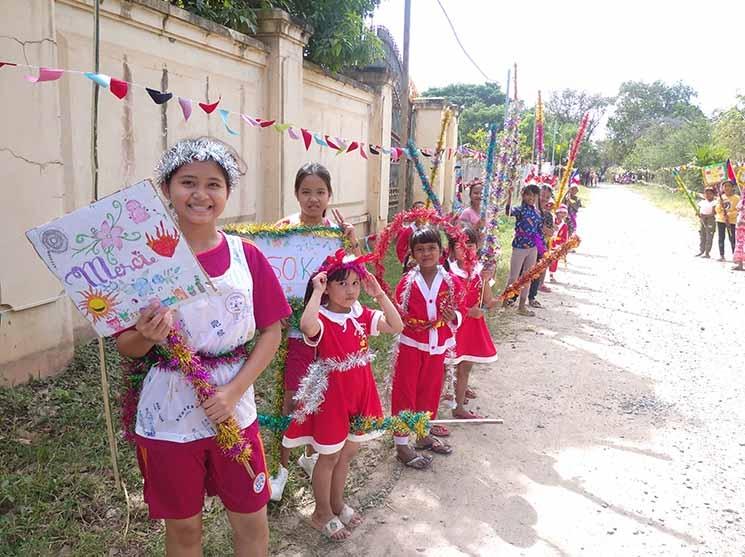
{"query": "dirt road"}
(624, 412)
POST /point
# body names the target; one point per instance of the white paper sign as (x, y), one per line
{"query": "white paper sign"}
(117, 255)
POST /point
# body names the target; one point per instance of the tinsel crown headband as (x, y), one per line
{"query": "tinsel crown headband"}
(201, 149)
(342, 261)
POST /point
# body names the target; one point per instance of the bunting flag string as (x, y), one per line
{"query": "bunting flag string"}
(120, 89)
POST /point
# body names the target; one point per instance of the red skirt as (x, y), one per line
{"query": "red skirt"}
(349, 394)
(473, 342)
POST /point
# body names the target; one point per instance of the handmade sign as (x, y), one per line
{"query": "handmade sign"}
(714, 174)
(294, 252)
(117, 255)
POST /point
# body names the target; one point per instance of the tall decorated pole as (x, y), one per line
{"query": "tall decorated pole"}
(426, 186)
(485, 190)
(539, 132)
(572, 158)
(447, 116)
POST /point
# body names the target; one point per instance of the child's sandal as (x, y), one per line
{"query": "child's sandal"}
(349, 517)
(333, 527)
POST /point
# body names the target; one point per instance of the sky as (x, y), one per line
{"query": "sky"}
(591, 45)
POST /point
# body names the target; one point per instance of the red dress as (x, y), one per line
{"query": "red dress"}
(420, 365)
(562, 235)
(473, 342)
(350, 392)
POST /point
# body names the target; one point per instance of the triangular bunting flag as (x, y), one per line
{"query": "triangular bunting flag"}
(9, 64)
(210, 108)
(307, 138)
(224, 117)
(118, 88)
(185, 107)
(395, 153)
(320, 140)
(292, 132)
(375, 150)
(352, 146)
(45, 74)
(159, 97)
(330, 143)
(265, 123)
(731, 176)
(99, 79)
(387, 151)
(250, 121)
(341, 143)
(281, 128)
(362, 151)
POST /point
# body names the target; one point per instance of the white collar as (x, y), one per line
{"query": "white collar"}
(342, 318)
(457, 271)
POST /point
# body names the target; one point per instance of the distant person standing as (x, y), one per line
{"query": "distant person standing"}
(706, 208)
(726, 216)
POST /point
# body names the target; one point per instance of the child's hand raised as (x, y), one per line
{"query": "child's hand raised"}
(319, 282)
(372, 286)
(155, 323)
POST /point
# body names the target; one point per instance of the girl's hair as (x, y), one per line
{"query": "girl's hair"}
(336, 276)
(201, 149)
(425, 235)
(532, 188)
(313, 169)
(472, 237)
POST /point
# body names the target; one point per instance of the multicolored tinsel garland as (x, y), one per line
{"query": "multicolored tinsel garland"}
(278, 398)
(513, 290)
(572, 158)
(686, 191)
(489, 171)
(539, 132)
(506, 174)
(426, 186)
(272, 231)
(312, 390)
(447, 115)
(404, 423)
(420, 216)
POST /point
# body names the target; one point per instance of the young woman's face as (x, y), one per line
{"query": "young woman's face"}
(529, 198)
(427, 255)
(345, 292)
(198, 192)
(313, 196)
(475, 194)
(728, 189)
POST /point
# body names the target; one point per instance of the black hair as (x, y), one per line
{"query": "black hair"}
(425, 235)
(336, 276)
(313, 169)
(532, 188)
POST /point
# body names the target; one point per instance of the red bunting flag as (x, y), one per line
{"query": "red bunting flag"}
(307, 138)
(363, 154)
(118, 88)
(331, 143)
(210, 108)
(352, 146)
(7, 64)
(265, 123)
(45, 74)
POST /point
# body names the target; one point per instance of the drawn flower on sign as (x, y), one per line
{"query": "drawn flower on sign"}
(96, 304)
(163, 243)
(109, 236)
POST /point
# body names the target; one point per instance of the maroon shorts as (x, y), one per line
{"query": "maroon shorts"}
(299, 357)
(177, 475)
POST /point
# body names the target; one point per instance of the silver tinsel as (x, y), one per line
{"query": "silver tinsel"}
(311, 393)
(201, 149)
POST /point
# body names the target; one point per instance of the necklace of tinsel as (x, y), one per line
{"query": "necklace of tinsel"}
(312, 390)
(448, 303)
(178, 356)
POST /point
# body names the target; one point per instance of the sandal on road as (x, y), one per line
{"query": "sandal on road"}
(525, 312)
(437, 447)
(467, 416)
(417, 462)
(349, 517)
(535, 304)
(332, 529)
(439, 431)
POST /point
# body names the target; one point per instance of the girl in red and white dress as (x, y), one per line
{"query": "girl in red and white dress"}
(560, 237)
(473, 342)
(339, 385)
(313, 193)
(429, 299)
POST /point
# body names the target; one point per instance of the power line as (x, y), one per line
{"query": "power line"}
(463, 48)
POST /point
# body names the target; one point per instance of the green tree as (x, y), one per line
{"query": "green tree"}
(340, 39)
(729, 130)
(568, 106)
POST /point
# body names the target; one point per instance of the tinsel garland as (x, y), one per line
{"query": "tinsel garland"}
(426, 186)
(404, 423)
(275, 443)
(537, 270)
(681, 184)
(572, 157)
(539, 130)
(311, 392)
(271, 231)
(447, 115)
(506, 173)
(421, 216)
(489, 171)
(274, 423)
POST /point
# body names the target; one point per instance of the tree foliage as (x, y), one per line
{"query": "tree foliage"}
(340, 39)
(729, 130)
(568, 106)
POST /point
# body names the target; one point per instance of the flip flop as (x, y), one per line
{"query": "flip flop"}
(468, 416)
(437, 447)
(419, 462)
(332, 527)
(439, 431)
(348, 515)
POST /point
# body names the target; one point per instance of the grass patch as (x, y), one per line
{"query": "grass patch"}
(57, 492)
(674, 202)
